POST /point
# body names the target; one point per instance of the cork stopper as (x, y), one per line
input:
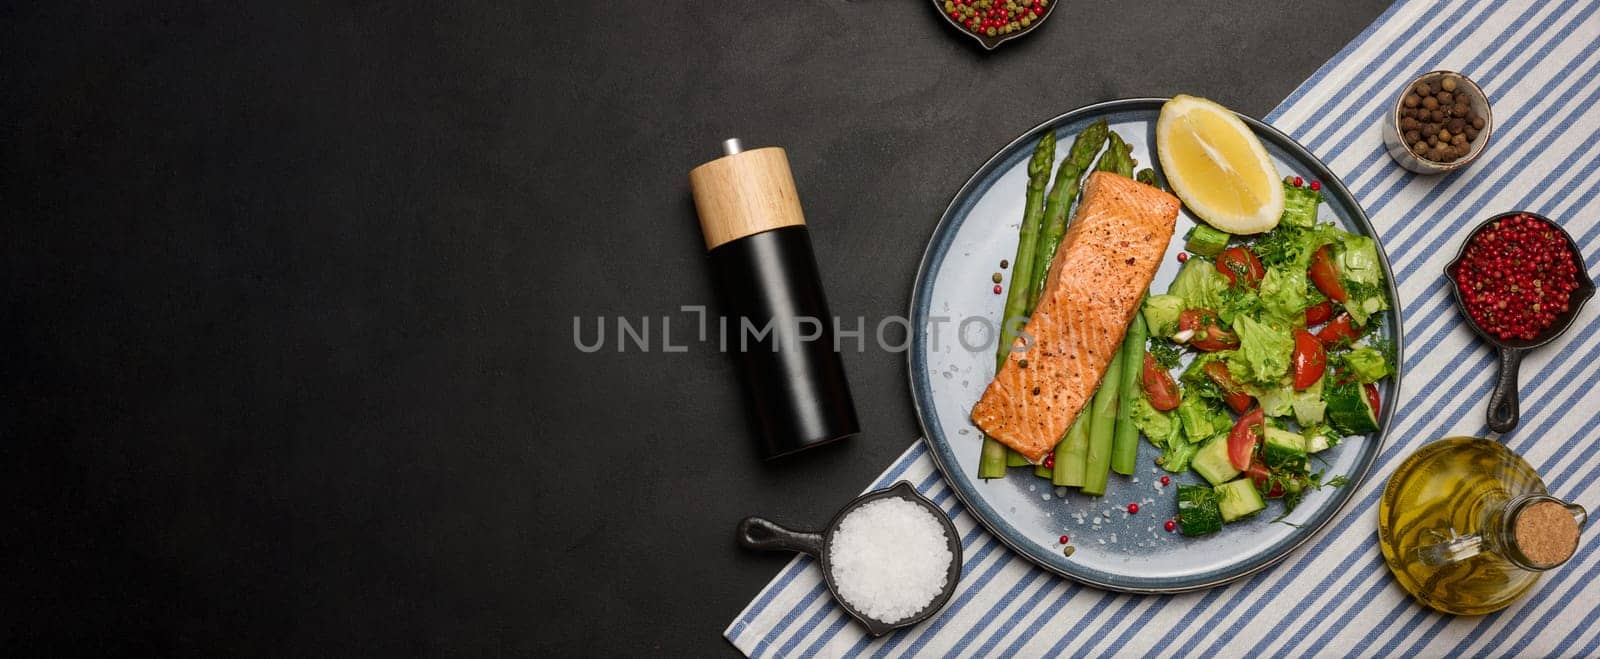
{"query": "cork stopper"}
(1546, 533)
(744, 193)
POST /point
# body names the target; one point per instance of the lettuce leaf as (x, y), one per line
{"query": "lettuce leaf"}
(1263, 354)
(1161, 428)
(1199, 284)
(1283, 295)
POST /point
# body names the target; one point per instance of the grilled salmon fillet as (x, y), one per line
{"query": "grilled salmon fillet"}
(1103, 268)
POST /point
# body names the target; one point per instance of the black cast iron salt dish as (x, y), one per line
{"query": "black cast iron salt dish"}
(1505, 409)
(763, 534)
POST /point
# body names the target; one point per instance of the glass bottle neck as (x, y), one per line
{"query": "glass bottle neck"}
(1522, 532)
(1545, 539)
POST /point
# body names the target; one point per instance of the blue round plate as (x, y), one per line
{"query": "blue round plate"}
(951, 362)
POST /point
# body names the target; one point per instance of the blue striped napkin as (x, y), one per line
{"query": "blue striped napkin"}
(1540, 64)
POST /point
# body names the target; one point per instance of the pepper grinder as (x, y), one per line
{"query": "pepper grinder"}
(776, 315)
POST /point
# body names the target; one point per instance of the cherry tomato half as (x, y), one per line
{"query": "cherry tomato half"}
(1209, 335)
(1159, 386)
(1244, 437)
(1232, 393)
(1326, 275)
(1319, 313)
(1236, 261)
(1338, 330)
(1372, 397)
(1310, 360)
(1260, 475)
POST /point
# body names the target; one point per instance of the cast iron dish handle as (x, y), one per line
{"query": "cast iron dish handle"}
(1504, 409)
(765, 534)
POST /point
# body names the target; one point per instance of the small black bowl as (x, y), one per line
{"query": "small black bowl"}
(990, 43)
(761, 533)
(1504, 408)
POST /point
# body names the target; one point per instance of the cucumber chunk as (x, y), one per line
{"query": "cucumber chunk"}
(1309, 409)
(1284, 450)
(1161, 314)
(1239, 499)
(1319, 439)
(1198, 513)
(1349, 412)
(1212, 461)
(1207, 241)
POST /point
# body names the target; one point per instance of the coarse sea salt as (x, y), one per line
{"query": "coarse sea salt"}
(889, 559)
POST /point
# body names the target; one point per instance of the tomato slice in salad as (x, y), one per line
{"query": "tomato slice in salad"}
(1338, 330)
(1372, 397)
(1244, 437)
(1326, 275)
(1159, 386)
(1209, 334)
(1309, 360)
(1260, 475)
(1235, 262)
(1232, 393)
(1319, 313)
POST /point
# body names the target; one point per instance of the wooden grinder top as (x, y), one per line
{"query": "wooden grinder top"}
(745, 193)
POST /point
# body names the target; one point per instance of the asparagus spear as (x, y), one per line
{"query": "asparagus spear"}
(1102, 424)
(1125, 443)
(1073, 452)
(1118, 158)
(1147, 176)
(1062, 193)
(992, 462)
(1080, 156)
(1056, 207)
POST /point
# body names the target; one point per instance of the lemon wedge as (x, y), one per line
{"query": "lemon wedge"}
(1218, 166)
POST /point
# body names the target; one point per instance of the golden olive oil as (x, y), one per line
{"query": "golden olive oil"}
(1450, 488)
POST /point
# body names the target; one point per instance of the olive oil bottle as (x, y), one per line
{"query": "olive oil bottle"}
(1467, 526)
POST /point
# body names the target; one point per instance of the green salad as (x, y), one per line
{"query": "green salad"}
(1273, 343)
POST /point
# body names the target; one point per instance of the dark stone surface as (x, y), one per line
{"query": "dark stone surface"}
(287, 363)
